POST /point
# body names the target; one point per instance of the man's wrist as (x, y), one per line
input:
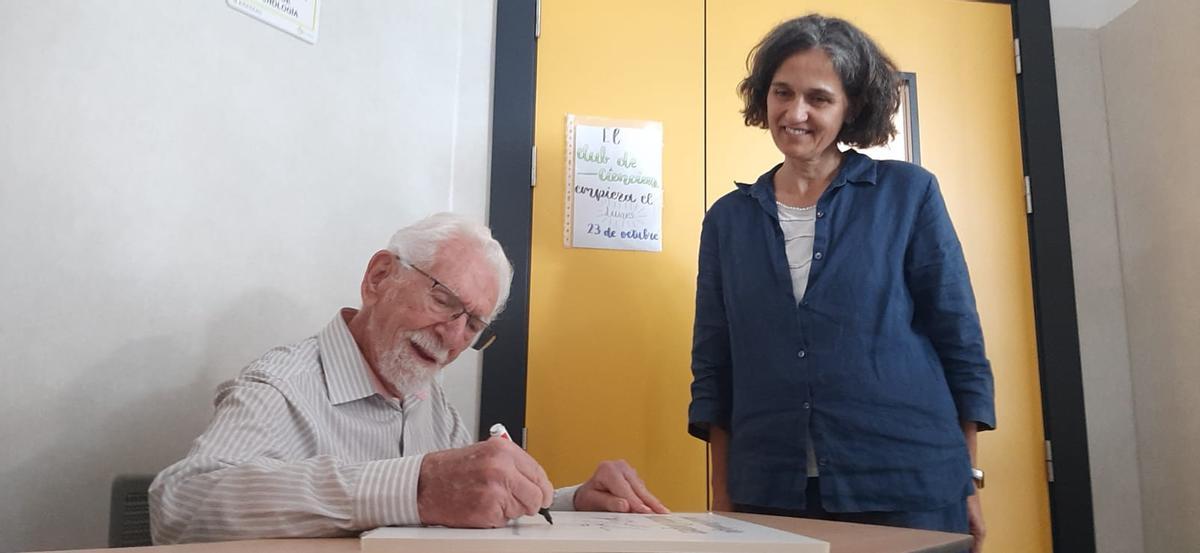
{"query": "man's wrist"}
(386, 493)
(564, 498)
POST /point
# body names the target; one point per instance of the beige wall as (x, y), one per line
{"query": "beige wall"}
(1099, 294)
(1151, 80)
(1129, 119)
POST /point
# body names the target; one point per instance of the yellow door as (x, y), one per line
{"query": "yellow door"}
(962, 55)
(610, 332)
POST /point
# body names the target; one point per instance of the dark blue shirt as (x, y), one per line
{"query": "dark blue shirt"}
(876, 364)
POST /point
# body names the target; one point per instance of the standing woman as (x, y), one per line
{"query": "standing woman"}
(838, 361)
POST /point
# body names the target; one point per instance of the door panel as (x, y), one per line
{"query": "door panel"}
(610, 331)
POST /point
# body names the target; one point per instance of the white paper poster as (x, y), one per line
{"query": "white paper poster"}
(614, 192)
(300, 18)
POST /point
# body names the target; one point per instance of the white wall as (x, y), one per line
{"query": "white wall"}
(1152, 79)
(1099, 294)
(1087, 14)
(182, 188)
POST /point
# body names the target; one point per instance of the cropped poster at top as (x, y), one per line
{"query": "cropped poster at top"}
(614, 192)
(300, 18)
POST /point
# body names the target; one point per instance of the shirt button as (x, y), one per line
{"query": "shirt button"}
(820, 214)
(802, 354)
(807, 405)
(818, 255)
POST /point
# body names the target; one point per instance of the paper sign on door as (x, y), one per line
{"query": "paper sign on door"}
(614, 189)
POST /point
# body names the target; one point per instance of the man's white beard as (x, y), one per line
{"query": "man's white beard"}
(405, 370)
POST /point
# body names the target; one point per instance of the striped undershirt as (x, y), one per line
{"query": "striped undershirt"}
(302, 445)
(799, 225)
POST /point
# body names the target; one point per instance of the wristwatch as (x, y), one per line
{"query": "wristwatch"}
(977, 476)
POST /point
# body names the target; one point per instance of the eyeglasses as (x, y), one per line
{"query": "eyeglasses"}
(448, 304)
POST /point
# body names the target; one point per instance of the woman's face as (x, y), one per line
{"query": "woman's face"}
(806, 106)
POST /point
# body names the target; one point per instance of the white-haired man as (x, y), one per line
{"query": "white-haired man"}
(348, 430)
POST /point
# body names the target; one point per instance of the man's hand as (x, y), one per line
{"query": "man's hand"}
(975, 522)
(616, 487)
(483, 485)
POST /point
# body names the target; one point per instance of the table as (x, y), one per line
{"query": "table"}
(843, 537)
(847, 537)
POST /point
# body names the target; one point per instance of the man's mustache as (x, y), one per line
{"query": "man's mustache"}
(432, 346)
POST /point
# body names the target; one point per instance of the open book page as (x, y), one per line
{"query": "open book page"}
(582, 532)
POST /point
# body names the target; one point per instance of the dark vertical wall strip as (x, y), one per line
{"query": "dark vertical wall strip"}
(510, 212)
(1053, 282)
(914, 124)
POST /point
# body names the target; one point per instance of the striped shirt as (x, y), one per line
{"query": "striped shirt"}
(303, 445)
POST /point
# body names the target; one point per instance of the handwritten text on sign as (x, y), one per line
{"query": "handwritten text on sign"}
(614, 184)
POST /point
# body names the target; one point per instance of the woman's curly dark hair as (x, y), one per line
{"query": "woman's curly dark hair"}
(870, 78)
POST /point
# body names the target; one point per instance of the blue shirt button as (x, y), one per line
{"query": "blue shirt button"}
(807, 405)
(818, 255)
(802, 354)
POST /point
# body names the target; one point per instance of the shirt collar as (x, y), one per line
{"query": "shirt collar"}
(856, 168)
(348, 377)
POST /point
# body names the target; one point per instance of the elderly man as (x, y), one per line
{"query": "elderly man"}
(348, 430)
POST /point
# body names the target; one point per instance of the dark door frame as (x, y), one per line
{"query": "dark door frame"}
(502, 395)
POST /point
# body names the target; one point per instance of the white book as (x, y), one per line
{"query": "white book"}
(586, 532)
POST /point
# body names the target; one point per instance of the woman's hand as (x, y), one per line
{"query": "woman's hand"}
(718, 438)
(975, 522)
(721, 502)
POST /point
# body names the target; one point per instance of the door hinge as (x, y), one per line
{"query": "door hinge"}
(537, 19)
(1049, 462)
(1017, 53)
(1028, 201)
(533, 169)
